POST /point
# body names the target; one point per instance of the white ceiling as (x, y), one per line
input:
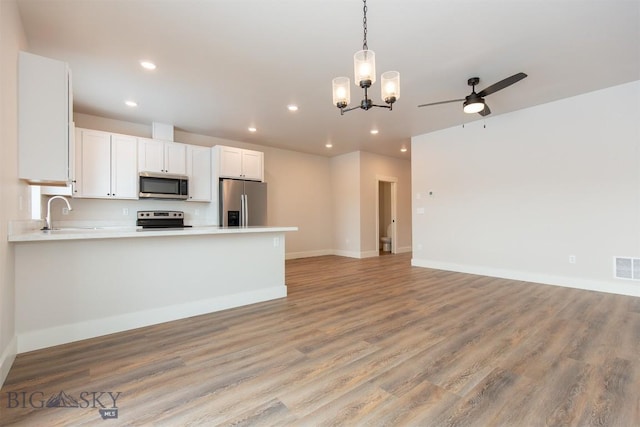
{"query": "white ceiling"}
(225, 65)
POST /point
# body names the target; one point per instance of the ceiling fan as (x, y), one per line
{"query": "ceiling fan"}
(474, 103)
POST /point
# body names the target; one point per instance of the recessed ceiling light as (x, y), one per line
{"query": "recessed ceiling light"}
(374, 131)
(292, 107)
(403, 149)
(148, 65)
(328, 145)
(131, 103)
(252, 129)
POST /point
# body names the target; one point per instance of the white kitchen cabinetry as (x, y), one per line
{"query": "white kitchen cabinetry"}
(199, 172)
(106, 165)
(162, 156)
(240, 163)
(45, 120)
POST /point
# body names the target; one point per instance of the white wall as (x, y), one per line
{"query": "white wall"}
(537, 185)
(355, 192)
(300, 195)
(13, 195)
(373, 167)
(345, 187)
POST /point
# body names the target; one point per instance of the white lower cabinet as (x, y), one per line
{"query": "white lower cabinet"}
(199, 172)
(106, 165)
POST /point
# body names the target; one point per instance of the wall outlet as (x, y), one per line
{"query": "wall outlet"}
(572, 259)
(196, 212)
(65, 211)
(420, 211)
(276, 242)
(125, 211)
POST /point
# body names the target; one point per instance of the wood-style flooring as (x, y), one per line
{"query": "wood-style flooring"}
(371, 342)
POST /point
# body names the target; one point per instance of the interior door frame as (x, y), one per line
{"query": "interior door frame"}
(394, 211)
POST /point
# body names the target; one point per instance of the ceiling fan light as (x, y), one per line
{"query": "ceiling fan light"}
(341, 92)
(364, 68)
(390, 86)
(473, 105)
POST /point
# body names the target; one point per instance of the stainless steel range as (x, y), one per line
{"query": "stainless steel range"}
(161, 219)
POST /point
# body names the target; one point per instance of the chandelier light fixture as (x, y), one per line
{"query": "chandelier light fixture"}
(364, 67)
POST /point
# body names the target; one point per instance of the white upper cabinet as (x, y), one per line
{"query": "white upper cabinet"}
(162, 156)
(124, 167)
(240, 163)
(199, 172)
(45, 120)
(106, 165)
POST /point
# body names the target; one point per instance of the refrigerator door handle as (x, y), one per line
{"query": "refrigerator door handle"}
(246, 210)
(241, 210)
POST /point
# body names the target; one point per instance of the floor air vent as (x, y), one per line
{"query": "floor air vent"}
(626, 268)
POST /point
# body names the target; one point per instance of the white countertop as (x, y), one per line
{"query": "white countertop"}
(84, 233)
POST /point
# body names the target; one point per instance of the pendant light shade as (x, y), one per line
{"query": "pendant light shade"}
(390, 86)
(364, 68)
(364, 71)
(341, 92)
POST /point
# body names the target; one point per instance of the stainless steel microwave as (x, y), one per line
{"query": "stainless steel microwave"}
(163, 186)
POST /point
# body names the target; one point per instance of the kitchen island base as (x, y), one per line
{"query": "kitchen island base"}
(69, 290)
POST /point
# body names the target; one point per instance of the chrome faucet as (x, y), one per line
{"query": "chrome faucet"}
(47, 220)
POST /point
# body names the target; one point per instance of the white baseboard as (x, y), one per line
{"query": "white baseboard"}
(369, 254)
(349, 254)
(546, 279)
(7, 358)
(34, 340)
(308, 254)
(338, 252)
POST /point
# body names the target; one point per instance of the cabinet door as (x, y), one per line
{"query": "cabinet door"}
(150, 155)
(124, 167)
(43, 119)
(94, 170)
(175, 158)
(199, 171)
(252, 165)
(230, 162)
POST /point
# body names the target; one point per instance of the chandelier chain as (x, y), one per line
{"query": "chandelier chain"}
(364, 26)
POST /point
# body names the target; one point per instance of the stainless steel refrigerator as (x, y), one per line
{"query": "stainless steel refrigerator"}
(242, 203)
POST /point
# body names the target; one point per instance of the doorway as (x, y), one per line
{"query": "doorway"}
(386, 224)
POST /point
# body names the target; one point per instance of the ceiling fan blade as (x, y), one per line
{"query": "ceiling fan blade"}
(441, 102)
(502, 84)
(486, 111)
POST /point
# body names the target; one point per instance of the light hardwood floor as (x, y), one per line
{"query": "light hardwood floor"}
(358, 342)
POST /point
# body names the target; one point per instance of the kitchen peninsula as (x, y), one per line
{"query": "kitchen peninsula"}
(73, 284)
